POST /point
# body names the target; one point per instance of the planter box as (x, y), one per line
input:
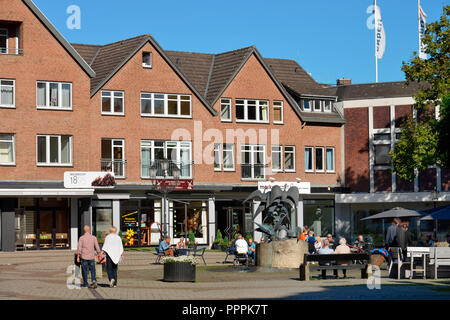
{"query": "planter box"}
(179, 271)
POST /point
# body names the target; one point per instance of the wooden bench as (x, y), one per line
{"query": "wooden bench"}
(306, 267)
(439, 256)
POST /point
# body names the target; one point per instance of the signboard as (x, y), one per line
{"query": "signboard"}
(89, 179)
(303, 187)
(180, 184)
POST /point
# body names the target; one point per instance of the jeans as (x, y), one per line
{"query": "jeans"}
(85, 266)
(111, 269)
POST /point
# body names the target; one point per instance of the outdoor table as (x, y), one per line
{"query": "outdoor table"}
(186, 250)
(418, 252)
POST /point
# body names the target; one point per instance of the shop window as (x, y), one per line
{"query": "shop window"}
(136, 219)
(319, 216)
(191, 220)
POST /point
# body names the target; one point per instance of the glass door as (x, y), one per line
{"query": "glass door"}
(46, 229)
(103, 221)
(62, 229)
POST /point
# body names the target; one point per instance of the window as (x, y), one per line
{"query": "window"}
(54, 150)
(165, 105)
(327, 104)
(309, 159)
(147, 59)
(252, 110)
(7, 149)
(7, 97)
(330, 159)
(307, 104)
(277, 158)
(113, 157)
(382, 137)
(54, 95)
(382, 154)
(112, 102)
(253, 162)
(225, 109)
(278, 112)
(289, 158)
(3, 40)
(318, 105)
(226, 157)
(177, 152)
(319, 160)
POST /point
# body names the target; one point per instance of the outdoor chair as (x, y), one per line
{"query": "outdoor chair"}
(199, 253)
(159, 255)
(397, 257)
(229, 252)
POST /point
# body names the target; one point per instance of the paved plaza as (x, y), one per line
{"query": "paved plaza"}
(44, 275)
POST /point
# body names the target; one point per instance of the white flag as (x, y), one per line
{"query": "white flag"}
(380, 36)
(422, 24)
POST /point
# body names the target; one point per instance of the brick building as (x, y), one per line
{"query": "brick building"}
(374, 113)
(227, 122)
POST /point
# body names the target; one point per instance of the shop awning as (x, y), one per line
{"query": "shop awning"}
(46, 192)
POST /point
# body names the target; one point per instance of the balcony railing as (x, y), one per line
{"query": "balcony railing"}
(13, 51)
(116, 166)
(185, 169)
(253, 171)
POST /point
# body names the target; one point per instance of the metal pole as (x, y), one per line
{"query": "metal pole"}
(382, 221)
(185, 221)
(376, 58)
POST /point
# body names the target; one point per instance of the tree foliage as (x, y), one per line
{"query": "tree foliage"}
(425, 140)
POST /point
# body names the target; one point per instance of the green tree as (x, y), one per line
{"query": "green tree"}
(425, 140)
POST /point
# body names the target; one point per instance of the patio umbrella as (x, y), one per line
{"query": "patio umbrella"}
(394, 213)
(442, 213)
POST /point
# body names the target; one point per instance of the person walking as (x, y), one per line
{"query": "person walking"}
(113, 249)
(391, 235)
(87, 246)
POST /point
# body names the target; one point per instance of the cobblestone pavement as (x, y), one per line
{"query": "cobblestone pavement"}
(43, 275)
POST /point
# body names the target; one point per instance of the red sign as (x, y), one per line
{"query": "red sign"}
(180, 184)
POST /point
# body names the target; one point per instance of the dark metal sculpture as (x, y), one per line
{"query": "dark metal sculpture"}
(279, 210)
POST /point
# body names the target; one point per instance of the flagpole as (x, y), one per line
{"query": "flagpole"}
(418, 21)
(375, 29)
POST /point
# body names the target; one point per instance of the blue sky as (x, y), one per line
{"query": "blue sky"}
(329, 38)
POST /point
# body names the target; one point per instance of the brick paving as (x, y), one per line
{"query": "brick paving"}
(43, 275)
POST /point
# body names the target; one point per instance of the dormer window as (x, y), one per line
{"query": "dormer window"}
(307, 104)
(146, 59)
(317, 105)
(327, 105)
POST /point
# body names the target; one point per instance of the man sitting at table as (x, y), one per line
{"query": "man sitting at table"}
(251, 249)
(165, 247)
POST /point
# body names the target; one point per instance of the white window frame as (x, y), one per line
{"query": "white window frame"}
(325, 109)
(111, 105)
(217, 149)
(228, 102)
(47, 151)
(13, 142)
(166, 102)
(281, 106)
(113, 141)
(293, 152)
(319, 104)
(323, 159)
(312, 159)
(258, 106)
(333, 161)
(47, 96)
(145, 65)
(280, 151)
(225, 147)
(253, 150)
(14, 93)
(5, 50)
(165, 149)
(311, 105)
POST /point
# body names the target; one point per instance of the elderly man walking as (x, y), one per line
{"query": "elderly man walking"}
(87, 246)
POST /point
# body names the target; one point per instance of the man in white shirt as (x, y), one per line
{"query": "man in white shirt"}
(241, 245)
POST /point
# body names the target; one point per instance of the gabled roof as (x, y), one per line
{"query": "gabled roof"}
(378, 90)
(75, 55)
(208, 75)
(110, 58)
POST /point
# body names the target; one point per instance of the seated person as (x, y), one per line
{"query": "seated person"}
(360, 243)
(342, 248)
(429, 242)
(181, 247)
(331, 241)
(165, 247)
(317, 244)
(241, 245)
(262, 240)
(311, 241)
(251, 248)
(304, 234)
(325, 250)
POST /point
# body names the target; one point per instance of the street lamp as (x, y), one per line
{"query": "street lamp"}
(165, 183)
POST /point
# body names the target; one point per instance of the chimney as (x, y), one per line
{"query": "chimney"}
(343, 82)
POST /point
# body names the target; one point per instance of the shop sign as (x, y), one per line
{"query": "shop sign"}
(303, 187)
(179, 185)
(89, 179)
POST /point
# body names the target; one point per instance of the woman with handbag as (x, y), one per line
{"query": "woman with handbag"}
(113, 250)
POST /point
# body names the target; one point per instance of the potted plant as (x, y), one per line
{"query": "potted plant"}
(179, 269)
(224, 244)
(218, 240)
(191, 238)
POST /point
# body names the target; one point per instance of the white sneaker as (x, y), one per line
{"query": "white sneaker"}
(111, 283)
